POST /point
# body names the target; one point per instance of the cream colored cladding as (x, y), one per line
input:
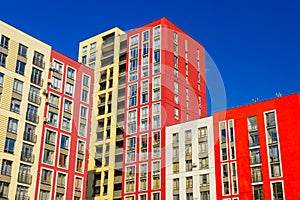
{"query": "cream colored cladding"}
(102, 53)
(14, 176)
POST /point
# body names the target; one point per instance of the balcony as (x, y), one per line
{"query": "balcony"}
(24, 177)
(106, 54)
(34, 98)
(27, 158)
(108, 41)
(32, 117)
(257, 177)
(38, 62)
(22, 197)
(38, 81)
(30, 137)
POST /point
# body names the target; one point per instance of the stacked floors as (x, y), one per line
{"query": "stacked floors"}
(24, 65)
(165, 85)
(62, 171)
(106, 53)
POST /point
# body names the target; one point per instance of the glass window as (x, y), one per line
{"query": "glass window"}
(20, 67)
(1, 79)
(56, 83)
(46, 176)
(2, 59)
(57, 67)
(145, 36)
(52, 118)
(93, 46)
(38, 59)
(64, 142)
(144, 94)
(132, 95)
(4, 42)
(156, 88)
(144, 119)
(9, 145)
(12, 125)
(70, 73)
(156, 116)
(50, 137)
(134, 40)
(277, 190)
(66, 123)
(15, 105)
(84, 50)
(18, 86)
(83, 112)
(86, 80)
(132, 121)
(84, 95)
(69, 89)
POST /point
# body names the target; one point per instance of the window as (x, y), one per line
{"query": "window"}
(29, 133)
(15, 105)
(204, 179)
(83, 60)
(81, 147)
(84, 95)
(31, 114)
(18, 86)
(156, 175)
(156, 59)
(133, 70)
(93, 46)
(144, 94)
(129, 178)
(256, 174)
(2, 59)
(253, 139)
(20, 67)
(176, 184)
(156, 88)
(277, 191)
(270, 119)
(176, 113)
(64, 142)
(4, 188)
(255, 156)
(69, 89)
(4, 42)
(203, 163)
(225, 188)
(61, 180)
(274, 153)
(272, 136)
(188, 165)
(92, 57)
(27, 155)
(145, 48)
(176, 167)
(56, 83)
(188, 149)
(44, 195)
(82, 129)
(134, 40)
(79, 165)
(131, 149)
(156, 144)
(38, 59)
(83, 112)
(66, 123)
(22, 192)
(46, 176)
(57, 67)
(175, 66)
(156, 196)
(144, 147)
(84, 50)
(156, 115)
(132, 95)
(48, 156)
(50, 137)
(134, 52)
(203, 147)
(52, 118)
(132, 121)
(68, 106)
(252, 123)
(145, 36)
(144, 119)
(86, 80)
(70, 73)
(143, 176)
(189, 182)
(63, 160)
(6, 167)
(1, 79)
(258, 192)
(145, 66)
(12, 125)
(156, 31)
(176, 93)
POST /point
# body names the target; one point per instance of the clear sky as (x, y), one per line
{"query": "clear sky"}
(254, 43)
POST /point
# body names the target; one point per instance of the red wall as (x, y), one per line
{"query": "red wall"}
(288, 120)
(71, 171)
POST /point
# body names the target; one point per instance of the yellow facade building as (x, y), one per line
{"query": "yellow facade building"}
(24, 65)
(106, 54)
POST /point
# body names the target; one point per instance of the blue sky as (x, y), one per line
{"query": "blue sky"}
(255, 44)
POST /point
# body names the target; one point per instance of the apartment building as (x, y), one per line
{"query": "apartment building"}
(256, 149)
(24, 65)
(106, 54)
(63, 157)
(165, 85)
(190, 163)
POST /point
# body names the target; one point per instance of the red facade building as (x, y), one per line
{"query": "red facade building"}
(63, 158)
(165, 85)
(256, 150)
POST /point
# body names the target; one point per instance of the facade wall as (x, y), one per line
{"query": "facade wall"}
(150, 103)
(106, 53)
(190, 168)
(20, 108)
(63, 157)
(265, 137)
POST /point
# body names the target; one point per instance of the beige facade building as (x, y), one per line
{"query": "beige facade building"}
(106, 54)
(24, 65)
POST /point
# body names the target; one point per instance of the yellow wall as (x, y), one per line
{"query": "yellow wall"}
(16, 37)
